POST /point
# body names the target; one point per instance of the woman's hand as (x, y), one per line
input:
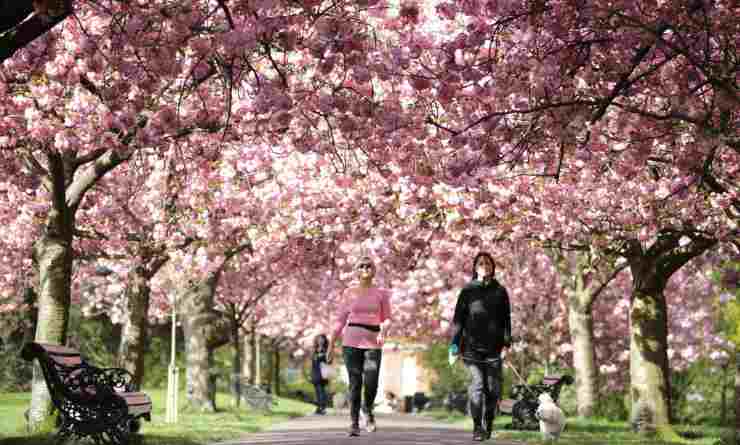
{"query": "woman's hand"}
(382, 334)
(330, 354)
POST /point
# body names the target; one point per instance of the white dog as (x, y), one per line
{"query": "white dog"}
(551, 417)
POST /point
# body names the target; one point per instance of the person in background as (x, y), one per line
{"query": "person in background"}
(362, 320)
(320, 347)
(481, 330)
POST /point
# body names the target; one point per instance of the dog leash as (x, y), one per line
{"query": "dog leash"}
(516, 373)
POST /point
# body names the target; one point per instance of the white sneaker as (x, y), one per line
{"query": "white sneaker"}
(367, 423)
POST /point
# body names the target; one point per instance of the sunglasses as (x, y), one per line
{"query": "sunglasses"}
(365, 266)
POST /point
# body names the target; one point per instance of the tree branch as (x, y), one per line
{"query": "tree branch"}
(26, 31)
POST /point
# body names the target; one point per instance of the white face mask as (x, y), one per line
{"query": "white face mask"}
(484, 270)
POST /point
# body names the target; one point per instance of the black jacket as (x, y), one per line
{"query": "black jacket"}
(481, 325)
(316, 359)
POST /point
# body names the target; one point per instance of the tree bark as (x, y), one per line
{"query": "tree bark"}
(266, 351)
(198, 320)
(16, 31)
(581, 325)
(650, 387)
(135, 324)
(649, 371)
(737, 396)
(581, 296)
(53, 254)
(205, 330)
(249, 358)
(136, 319)
(276, 371)
(55, 262)
(236, 365)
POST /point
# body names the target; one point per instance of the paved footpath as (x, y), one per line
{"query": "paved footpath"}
(398, 429)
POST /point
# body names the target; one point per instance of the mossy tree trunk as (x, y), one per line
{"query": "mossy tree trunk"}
(136, 317)
(200, 327)
(649, 365)
(205, 329)
(584, 278)
(249, 357)
(67, 184)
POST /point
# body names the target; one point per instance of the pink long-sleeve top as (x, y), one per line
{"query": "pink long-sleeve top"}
(369, 306)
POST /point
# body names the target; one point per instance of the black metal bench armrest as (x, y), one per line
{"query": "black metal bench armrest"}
(121, 380)
(89, 384)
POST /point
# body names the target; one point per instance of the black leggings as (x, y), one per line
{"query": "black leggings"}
(362, 364)
(484, 391)
(322, 398)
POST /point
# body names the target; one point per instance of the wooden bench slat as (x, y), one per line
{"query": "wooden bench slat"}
(506, 405)
(67, 360)
(58, 349)
(135, 397)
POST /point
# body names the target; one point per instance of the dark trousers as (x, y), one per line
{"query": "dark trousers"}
(322, 398)
(484, 391)
(363, 366)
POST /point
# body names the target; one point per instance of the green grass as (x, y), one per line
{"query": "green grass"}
(590, 432)
(193, 428)
(228, 423)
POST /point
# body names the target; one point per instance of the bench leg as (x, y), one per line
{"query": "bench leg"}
(64, 433)
(116, 435)
(134, 425)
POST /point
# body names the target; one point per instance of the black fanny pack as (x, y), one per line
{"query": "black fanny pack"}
(369, 327)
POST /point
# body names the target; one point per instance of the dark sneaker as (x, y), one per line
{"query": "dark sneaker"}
(488, 434)
(354, 431)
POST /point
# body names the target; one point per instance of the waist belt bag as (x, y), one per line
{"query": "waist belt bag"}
(369, 327)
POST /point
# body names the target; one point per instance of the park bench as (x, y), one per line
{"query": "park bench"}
(523, 404)
(256, 396)
(100, 403)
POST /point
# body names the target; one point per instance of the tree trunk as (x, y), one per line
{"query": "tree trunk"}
(203, 329)
(236, 365)
(249, 358)
(54, 256)
(737, 396)
(135, 325)
(198, 357)
(266, 348)
(581, 327)
(723, 398)
(276, 371)
(649, 371)
(582, 335)
(650, 386)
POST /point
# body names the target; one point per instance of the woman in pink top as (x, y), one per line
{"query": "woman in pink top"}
(362, 320)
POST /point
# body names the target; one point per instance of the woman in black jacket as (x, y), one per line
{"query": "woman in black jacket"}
(481, 329)
(320, 347)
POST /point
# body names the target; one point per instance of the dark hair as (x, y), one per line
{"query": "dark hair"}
(320, 343)
(475, 263)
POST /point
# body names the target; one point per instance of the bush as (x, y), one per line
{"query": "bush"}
(697, 393)
(448, 379)
(15, 373)
(613, 406)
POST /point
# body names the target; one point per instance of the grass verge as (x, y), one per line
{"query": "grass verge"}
(192, 428)
(593, 432)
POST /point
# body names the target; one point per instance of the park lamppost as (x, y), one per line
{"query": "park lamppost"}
(172, 370)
